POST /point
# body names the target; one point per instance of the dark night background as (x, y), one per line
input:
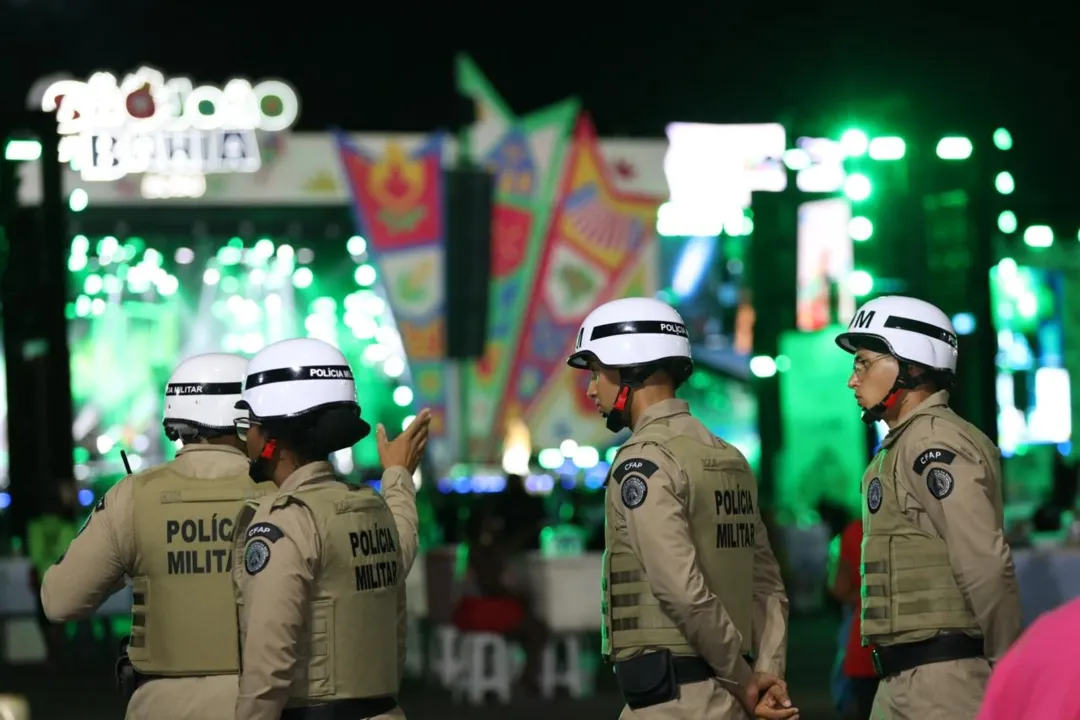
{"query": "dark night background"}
(391, 68)
(369, 67)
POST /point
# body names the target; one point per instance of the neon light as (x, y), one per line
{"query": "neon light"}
(146, 123)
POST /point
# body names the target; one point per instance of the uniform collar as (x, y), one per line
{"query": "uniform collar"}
(207, 447)
(938, 399)
(209, 462)
(660, 411)
(312, 472)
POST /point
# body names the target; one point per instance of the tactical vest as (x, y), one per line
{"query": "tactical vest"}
(722, 513)
(183, 615)
(907, 581)
(351, 646)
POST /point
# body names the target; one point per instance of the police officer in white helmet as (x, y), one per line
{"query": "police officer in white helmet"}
(940, 599)
(691, 587)
(320, 566)
(170, 529)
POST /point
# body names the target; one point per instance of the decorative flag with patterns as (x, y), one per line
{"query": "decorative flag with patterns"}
(527, 155)
(398, 202)
(597, 239)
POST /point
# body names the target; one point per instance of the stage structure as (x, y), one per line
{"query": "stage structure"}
(200, 222)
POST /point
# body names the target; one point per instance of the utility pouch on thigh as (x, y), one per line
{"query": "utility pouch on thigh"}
(648, 679)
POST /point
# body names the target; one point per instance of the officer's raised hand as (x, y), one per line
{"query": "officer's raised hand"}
(407, 449)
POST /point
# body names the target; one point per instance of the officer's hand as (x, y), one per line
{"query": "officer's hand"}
(407, 449)
(758, 701)
(776, 705)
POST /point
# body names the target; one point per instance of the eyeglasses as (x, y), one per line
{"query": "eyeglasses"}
(862, 365)
(243, 424)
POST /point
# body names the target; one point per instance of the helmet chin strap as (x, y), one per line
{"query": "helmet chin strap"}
(903, 381)
(619, 417)
(630, 379)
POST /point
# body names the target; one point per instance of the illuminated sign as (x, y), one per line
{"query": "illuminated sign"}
(712, 170)
(169, 130)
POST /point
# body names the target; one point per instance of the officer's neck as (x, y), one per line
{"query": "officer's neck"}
(283, 470)
(909, 400)
(227, 440)
(645, 397)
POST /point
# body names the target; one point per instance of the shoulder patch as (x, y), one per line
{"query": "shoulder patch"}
(633, 492)
(256, 556)
(940, 483)
(874, 495)
(933, 455)
(265, 530)
(634, 466)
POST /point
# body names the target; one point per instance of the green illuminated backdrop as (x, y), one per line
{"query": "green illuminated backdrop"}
(140, 305)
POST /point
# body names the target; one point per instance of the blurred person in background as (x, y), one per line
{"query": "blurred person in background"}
(940, 596)
(695, 612)
(169, 529)
(1036, 680)
(495, 597)
(856, 662)
(521, 514)
(47, 537)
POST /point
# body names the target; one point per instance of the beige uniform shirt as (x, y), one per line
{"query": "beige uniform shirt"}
(275, 600)
(94, 566)
(950, 491)
(659, 534)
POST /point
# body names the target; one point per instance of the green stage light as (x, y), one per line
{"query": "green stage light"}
(887, 148)
(954, 148)
(1004, 183)
(854, 143)
(861, 283)
(1007, 222)
(860, 229)
(1039, 236)
(857, 187)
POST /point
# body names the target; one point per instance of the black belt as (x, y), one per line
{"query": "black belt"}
(352, 709)
(894, 659)
(691, 669)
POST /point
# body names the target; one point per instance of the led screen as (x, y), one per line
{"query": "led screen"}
(1033, 385)
(704, 279)
(138, 305)
(825, 261)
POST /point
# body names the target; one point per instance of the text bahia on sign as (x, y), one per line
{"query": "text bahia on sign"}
(168, 130)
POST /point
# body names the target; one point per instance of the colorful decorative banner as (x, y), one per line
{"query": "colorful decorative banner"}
(398, 200)
(597, 236)
(526, 154)
(561, 409)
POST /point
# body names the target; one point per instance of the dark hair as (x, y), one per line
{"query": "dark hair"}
(316, 434)
(677, 369)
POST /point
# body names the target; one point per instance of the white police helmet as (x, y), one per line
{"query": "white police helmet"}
(914, 331)
(632, 332)
(202, 393)
(294, 377)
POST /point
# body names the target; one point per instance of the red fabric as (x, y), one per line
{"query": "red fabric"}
(499, 615)
(858, 660)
